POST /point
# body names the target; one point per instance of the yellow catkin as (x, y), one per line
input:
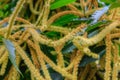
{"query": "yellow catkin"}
(17, 34)
(102, 63)
(76, 64)
(14, 15)
(37, 4)
(60, 59)
(34, 58)
(86, 50)
(57, 68)
(45, 15)
(23, 37)
(97, 38)
(108, 58)
(115, 35)
(4, 57)
(3, 30)
(89, 53)
(37, 37)
(49, 42)
(27, 61)
(116, 30)
(54, 66)
(2, 49)
(17, 19)
(69, 36)
(32, 9)
(32, 77)
(115, 61)
(72, 7)
(30, 43)
(42, 62)
(62, 30)
(3, 67)
(39, 19)
(9, 75)
(70, 66)
(95, 2)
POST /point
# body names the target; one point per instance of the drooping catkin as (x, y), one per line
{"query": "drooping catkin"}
(2, 49)
(52, 43)
(108, 58)
(34, 58)
(27, 61)
(24, 37)
(4, 66)
(17, 34)
(62, 30)
(73, 8)
(70, 36)
(115, 35)
(60, 59)
(42, 62)
(45, 15)
(53, 65)
(85, 49)
(76, 64)
(97, 38)
(32, 9)
(115, 61)
(63, 72)
(14, 15)
(37, 37)
(4, 57)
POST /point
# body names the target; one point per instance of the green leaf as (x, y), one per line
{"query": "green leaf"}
(115, 4)
(95, 25)
(1, 37)
(1, 13)
(64, 19)
(52, 35)
(119, 49)
(108, 1)
(11, 49)
(1, 42)
(6, 7)
(60, 3)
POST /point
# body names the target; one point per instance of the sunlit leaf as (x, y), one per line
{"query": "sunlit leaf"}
(11, 49)
(60, 3)
(91, 27)
(64, 20)
(1, 13)
(115, 4)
